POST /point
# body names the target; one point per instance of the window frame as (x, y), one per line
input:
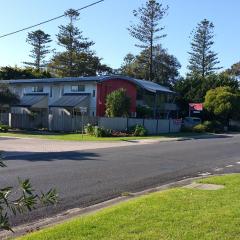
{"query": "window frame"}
(38, 89)
(79, 88)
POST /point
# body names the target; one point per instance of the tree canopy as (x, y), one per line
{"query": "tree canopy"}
(194, 89)
(7, 73)
(165, 66)
(234, 70)
(39, 41)
(147, 30)
(77, 59)
(6, 96)
(223, 103)
(203, 60)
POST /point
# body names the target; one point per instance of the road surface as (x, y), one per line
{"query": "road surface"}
(86, 177)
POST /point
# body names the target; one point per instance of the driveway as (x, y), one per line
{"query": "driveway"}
(85, 177)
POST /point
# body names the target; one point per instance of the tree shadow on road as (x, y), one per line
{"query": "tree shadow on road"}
(205, 136)
(51, 156)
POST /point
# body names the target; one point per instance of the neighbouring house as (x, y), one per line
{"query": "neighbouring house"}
(58, 96)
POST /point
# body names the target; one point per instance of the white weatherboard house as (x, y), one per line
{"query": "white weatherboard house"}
(46, 93)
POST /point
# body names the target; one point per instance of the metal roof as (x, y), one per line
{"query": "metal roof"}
(70, 100)
(153, 87)
(31, 100)
(147, 85)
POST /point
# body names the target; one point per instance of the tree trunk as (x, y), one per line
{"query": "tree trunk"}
(151, 63)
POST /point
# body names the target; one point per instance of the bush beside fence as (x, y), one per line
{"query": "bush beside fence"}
(4, 118)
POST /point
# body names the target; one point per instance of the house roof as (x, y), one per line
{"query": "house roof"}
(31, 100)
(147, 85)
(71, 101)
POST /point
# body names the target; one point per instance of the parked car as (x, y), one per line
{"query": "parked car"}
(190, 122)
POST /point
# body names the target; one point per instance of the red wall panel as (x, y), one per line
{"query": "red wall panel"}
(108, 86)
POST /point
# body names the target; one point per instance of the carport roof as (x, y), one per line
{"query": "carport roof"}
(31, 100)
(70, 100)
(147, 85)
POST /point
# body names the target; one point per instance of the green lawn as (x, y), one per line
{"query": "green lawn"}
(78, 136)
(177, 214)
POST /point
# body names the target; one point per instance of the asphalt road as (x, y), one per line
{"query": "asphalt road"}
(87, 177)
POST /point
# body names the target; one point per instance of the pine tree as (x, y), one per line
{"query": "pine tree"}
(39, 41)
(203, 60)
(74, 44)
(148, 29)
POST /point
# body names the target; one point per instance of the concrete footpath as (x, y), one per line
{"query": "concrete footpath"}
(15, 146)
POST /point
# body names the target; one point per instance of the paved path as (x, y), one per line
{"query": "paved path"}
(16, 146)
(90, 176)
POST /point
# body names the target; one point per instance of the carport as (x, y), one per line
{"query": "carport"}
(64, 109)
(33, 101)
(31, 112)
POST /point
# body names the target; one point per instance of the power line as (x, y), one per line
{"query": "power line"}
(50, 20)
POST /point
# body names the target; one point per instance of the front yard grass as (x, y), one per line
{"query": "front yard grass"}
(176, 214)
(78, 136)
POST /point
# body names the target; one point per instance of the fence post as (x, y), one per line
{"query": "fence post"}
(10, 119)
(157, 127)
(127, 123)
(50, 121)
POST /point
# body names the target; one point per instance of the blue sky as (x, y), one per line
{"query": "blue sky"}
(107, 23)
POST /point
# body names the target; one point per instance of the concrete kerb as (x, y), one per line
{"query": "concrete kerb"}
(78, 212)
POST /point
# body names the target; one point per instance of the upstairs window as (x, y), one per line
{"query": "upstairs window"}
(37, 89)
(78, 88)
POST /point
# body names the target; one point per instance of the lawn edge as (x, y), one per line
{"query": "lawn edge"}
(112, 139)
(71, 214)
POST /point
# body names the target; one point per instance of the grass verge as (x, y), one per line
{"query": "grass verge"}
(177, 214)
(79, 137)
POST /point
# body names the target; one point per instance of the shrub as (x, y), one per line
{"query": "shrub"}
(209, 126)
(200, 128)
(4, 128)
(139, 130)
(144, 111)
(118, 103)
(99, 132)
(213, 126)
(89, 129)
(20, 199)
